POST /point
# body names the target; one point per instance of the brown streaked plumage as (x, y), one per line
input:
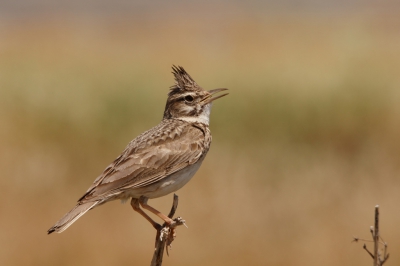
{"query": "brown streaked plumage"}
(158, 161)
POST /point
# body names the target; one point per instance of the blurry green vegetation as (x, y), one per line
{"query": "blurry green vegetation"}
(305, 144)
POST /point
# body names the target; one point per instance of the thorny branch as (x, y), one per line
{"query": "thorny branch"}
(377, 239)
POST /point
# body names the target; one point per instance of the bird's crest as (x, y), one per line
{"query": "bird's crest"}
(183, 81)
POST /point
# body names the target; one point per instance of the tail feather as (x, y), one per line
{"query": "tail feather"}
(72, 216)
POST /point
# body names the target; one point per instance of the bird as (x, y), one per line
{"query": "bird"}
(159, 161)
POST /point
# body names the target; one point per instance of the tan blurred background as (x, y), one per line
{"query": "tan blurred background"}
(305, 145)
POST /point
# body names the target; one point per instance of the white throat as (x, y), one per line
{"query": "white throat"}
(203, 118)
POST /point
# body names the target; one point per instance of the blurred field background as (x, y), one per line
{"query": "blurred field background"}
(304, 147)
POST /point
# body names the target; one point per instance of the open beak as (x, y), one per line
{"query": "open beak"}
(209, 98)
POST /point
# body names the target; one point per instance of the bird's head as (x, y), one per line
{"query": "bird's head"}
(187, 100)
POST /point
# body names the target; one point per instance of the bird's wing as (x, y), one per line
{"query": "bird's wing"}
(149, 158)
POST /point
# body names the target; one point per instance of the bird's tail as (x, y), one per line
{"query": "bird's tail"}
(72, 216)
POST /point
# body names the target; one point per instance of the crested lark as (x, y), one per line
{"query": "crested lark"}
(158, 161)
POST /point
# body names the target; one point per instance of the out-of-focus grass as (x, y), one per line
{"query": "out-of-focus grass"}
(304, 146)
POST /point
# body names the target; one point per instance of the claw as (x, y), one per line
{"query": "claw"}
(167, 232)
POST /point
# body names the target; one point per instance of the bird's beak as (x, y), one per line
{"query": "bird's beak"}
(209, 98)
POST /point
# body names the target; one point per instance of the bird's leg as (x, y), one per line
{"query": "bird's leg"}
(143, 203)
(136, 207)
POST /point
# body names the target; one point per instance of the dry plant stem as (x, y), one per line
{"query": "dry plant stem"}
(365, 247)
(378, 260)
(165, 235)
(376, 237)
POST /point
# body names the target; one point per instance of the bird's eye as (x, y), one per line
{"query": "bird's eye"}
(189, 99)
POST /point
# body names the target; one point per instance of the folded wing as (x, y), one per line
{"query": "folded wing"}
(141, 164)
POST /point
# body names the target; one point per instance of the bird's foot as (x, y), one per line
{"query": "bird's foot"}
(168, 232)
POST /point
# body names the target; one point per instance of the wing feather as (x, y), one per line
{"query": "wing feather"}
(149, 158)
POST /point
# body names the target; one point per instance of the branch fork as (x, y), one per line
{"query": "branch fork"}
(379, 260)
